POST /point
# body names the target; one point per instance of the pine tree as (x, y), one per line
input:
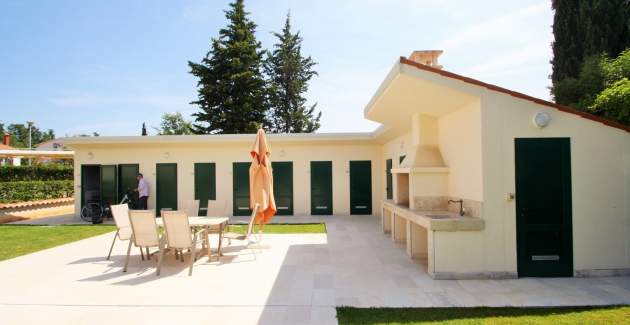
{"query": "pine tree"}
(288, 75)
(231, 89)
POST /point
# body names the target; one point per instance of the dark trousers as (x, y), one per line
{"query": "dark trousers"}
(142, 203)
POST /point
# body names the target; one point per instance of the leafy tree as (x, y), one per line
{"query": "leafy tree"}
(231, 89)
(602, 88)
(613, 102)
(580, 92)
(19, 135)
(173, 124)
(289, 73)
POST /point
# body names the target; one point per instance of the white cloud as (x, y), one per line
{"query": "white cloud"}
(517, 26)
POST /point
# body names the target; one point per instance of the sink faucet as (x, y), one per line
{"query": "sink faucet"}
(461, 206)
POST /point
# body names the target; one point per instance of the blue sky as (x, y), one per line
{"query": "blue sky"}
(107, 66)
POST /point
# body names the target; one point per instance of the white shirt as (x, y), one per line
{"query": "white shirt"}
(143, 188)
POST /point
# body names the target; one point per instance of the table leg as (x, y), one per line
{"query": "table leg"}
(209, 251)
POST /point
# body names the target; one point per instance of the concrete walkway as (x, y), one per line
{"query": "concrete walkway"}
(299, 280)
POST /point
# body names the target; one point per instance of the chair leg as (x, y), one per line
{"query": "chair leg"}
(160, 258)
(112, 247)
(128, 252)
(148, 255)
(141, 253)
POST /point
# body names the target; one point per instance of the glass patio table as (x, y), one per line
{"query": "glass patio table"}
(206, 223)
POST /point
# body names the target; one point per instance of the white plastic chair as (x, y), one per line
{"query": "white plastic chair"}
(190, 207)
(120, 212)
(250, 229)
(217, 208)
(180, 237)
(145, 235)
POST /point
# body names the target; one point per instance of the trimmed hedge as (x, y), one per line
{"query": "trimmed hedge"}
(36, 173)
(11, 192)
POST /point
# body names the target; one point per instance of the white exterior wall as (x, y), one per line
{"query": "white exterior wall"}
(185, 155)
(600, 180)
(460, 145)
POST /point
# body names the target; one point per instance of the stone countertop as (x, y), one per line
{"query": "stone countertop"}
(453, 221)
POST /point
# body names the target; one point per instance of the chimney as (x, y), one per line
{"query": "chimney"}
(6, 139)
(429, 58)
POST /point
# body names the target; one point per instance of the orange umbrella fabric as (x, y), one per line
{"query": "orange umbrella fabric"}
(261, 179)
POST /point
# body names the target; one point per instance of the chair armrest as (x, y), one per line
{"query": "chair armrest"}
(200, 232)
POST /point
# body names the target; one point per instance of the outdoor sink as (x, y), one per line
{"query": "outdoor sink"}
(439, 216)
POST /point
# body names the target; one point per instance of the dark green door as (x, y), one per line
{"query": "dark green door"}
(127, 181)
(321, 188)
(543, 207)
(90, 184)
(240, 189)
(166, 187)
(388, 178)
(361, 187)
(283, 187)
(205, 185)
(109, 184)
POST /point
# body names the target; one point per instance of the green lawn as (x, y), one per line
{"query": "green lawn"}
(467, 316)
(309, 228)
(22, 240)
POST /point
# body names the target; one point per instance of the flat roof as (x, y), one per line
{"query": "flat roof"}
(222, 138)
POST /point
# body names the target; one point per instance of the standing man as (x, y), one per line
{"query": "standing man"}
(143, 192)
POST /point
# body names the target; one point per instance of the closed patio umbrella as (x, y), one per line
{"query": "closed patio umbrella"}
(261, 180)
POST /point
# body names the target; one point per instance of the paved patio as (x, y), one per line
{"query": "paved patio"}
(298, 281)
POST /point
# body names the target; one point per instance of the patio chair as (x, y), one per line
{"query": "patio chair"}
(120, 212)
(180, 237)
(250, 229)
(217, 208)
(145, 234)
(190, 207)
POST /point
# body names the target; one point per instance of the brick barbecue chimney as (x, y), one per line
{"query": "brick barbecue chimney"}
(429, 58)
(6, 139)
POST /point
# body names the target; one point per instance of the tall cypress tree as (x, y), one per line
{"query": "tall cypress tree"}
(231, 89)
(605, 25)
(567, 45)
(288, 74)
(586, 28)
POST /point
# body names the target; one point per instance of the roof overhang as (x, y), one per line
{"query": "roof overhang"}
(407, 90)
(439, 92)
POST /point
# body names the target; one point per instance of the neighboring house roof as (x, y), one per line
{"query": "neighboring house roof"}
(53, 144)
(472, 81)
